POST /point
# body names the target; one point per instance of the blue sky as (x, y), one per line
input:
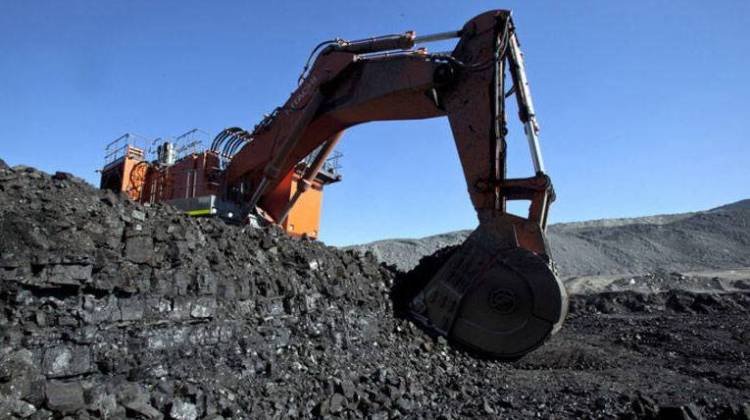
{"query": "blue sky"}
(643, 105)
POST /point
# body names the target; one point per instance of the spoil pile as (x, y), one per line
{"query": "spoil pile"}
(707, 240)
(112, 309)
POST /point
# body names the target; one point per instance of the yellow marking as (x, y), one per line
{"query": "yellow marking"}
(203, 212)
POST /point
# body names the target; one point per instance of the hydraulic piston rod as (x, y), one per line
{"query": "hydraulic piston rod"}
(391, 42)
(271, 171)
(440, 36)
(525, 104)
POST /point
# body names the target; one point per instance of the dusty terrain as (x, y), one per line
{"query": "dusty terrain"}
(714, 244)
(110, 309)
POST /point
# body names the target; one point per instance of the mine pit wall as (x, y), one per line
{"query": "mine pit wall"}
(86, 333)
(70, 340)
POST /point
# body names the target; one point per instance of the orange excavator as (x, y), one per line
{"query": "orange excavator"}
(497, 293)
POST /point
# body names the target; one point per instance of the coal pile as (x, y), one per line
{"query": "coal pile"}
(110, 309)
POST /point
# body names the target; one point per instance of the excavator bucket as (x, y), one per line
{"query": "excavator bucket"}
(492, 296)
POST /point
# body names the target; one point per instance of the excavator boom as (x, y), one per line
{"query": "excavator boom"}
(498, 293)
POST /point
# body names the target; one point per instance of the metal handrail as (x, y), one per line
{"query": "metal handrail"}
(125, 145)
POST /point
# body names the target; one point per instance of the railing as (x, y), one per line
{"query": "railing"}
(191, 142)
(331, 165)
(127, 145)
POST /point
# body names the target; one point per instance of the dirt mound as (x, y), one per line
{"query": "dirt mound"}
(111, 309)
(404, 254)
(738, 205)
(714, 239)
(702, 241)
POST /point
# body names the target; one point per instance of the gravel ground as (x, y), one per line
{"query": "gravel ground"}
(110, 309)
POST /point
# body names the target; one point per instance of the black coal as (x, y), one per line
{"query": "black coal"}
(112, 309)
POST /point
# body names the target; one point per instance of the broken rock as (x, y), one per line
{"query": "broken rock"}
(182, 410)
(64, 397)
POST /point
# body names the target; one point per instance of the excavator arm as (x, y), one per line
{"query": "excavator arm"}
(497, 293)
